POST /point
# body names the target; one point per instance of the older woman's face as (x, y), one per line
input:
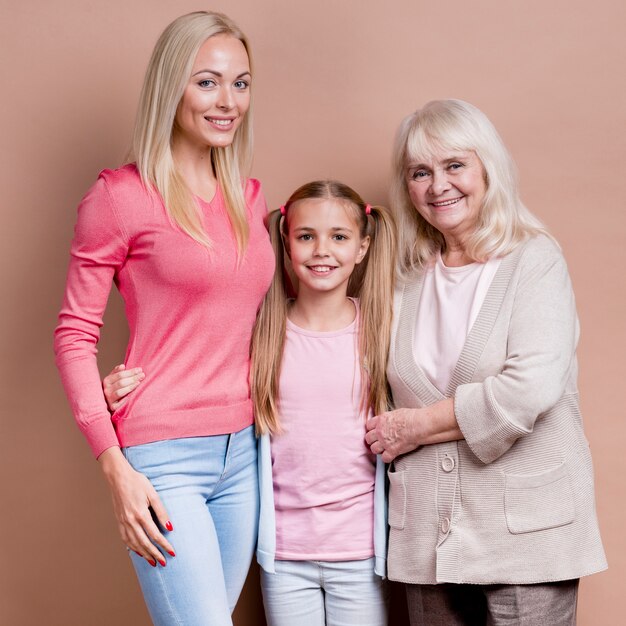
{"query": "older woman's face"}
(448, 190)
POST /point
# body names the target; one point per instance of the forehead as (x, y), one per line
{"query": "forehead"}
(222, 53)
(322, 213)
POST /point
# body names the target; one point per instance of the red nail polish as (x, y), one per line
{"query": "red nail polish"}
(153, 563)
(171, 552)
(138, 554)
(168, 525)
(162, 562)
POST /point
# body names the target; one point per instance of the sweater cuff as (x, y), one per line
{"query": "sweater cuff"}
(100, 435)
(486, 431)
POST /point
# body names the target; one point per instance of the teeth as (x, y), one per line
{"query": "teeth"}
(446, 202)
(220, 122)
(321, 268)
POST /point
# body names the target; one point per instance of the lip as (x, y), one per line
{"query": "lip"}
(446, 203)
(223, 124)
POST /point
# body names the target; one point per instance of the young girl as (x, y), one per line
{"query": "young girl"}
(318, 371)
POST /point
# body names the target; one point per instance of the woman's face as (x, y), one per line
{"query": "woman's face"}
(217, 95)
(448, 190)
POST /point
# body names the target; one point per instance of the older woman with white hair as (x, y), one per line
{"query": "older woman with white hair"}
(492, 515)
(180, 231)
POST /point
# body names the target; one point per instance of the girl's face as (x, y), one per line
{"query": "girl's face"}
(217, 96)
(324, 244)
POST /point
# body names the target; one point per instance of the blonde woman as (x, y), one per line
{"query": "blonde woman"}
(491, 503)
(180, 232)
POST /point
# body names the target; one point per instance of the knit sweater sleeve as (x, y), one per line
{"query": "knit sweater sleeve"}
(541, 343)
(98, 250)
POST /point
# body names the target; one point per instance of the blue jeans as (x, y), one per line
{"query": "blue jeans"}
(324, 593)
(209, 488)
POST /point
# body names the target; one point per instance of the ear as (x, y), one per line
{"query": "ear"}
(365, 245)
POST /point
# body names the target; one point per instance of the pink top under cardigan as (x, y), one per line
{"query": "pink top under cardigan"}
(190, 312)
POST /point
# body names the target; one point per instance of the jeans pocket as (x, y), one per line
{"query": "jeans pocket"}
(535, 502)
(397, 499)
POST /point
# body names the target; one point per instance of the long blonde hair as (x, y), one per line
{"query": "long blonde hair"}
(503, 222)
(167, 75)
(372, 282)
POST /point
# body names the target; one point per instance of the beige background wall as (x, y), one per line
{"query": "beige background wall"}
(333, 79)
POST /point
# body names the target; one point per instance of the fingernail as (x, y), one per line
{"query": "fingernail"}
(171, 552)
(153, 563)
(168, 525)
(137, 553)
(162, 562)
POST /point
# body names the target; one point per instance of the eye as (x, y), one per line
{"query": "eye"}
(305, 237)
(207, 82)
(419, 174)
(339, 237)
(242, 84)
(456, 165)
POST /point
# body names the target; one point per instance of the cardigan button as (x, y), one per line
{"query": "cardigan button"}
(445, 525)
(447, 464)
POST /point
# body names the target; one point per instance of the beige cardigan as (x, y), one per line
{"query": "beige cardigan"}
(514, 501)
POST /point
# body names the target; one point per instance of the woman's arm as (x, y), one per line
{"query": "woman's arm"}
(403, 430)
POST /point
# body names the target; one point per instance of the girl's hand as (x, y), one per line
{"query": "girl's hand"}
(133, 497)
(119, 383)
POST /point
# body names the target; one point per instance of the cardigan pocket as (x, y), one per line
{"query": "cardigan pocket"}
(397, 499)
(538, 501)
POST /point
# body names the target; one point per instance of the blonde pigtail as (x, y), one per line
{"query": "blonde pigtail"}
(268, 339)
(376, 302)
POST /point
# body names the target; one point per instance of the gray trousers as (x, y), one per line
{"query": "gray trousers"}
(546, 604)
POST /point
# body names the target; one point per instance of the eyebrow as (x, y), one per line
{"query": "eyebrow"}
(219, 74)
(459, 156)
(334, 228)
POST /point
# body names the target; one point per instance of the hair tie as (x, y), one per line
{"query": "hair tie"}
(368, 209)
(283, 210)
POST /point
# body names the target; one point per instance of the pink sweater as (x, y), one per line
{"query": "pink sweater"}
(190, 312)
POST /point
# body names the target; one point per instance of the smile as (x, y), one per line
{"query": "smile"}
(444, 203)
(321, 269)
(221, 123)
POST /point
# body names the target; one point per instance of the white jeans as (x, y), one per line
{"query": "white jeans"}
(324, 593)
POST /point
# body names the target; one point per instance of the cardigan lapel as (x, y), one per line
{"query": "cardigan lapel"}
(411, 372)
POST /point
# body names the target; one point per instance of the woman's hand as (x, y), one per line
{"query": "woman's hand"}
(397, 432)
(393, 433)
(133, 497)
(119, 383)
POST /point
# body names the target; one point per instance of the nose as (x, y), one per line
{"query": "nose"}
(439, 182)
(225, 101)
(321, 248)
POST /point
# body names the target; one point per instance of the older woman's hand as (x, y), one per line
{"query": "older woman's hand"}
(397, 432)
(393, 433)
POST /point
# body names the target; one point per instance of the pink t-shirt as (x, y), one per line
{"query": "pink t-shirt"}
(190, 313)
(449, 304)
(323, 470)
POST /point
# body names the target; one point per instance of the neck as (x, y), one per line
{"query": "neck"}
(455, 255)
(194, 165)
(322, 311)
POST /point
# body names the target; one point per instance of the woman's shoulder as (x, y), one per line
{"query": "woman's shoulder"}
(123, 180)
(254, 196)
(540, 248)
